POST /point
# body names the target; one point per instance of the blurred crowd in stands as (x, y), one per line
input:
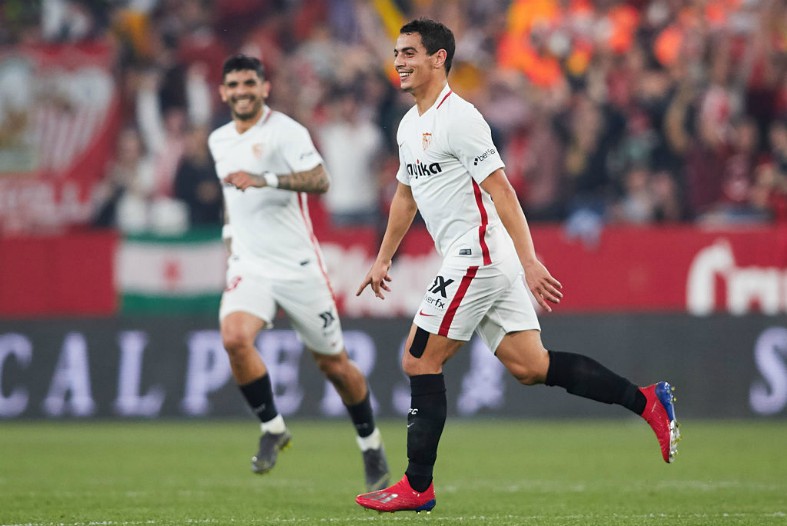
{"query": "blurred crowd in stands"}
(605, 111)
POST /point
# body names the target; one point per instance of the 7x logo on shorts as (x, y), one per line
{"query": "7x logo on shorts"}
(439, 284)
(327, 318)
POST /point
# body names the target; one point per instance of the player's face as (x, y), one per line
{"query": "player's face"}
(412, 62)
(245, 93)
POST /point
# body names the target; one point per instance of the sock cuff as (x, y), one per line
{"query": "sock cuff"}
(556, 370)
(362, 404)
(414, 469)
(424, 384)
(373, 441)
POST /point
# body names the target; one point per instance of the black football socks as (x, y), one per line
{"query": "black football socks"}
(259, 395)
(362, 416)
(585, 377)
(425, 422)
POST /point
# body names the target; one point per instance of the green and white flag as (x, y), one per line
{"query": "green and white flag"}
(158, 274)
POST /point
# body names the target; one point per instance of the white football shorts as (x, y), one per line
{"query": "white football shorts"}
(308, 303)
(492, 300)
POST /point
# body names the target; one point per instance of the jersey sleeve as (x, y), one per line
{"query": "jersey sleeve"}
(297, 149)
(471, 143)
(401, 173)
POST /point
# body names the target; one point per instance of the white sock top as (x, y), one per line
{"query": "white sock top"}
(373, 441)
(276, 425)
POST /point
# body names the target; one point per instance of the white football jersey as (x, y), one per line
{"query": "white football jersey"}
(270, 227)
(444, 155)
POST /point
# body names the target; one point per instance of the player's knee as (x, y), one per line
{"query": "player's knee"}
(528, 377)
(528, 374)
(412, 366)
(333, 367)
(236, 341)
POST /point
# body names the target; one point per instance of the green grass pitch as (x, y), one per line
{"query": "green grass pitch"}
(490, 472)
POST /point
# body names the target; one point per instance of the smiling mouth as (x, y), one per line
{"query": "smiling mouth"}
(244, 101)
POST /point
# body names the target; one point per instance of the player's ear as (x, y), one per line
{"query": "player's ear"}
(223, 93)
(439, 58)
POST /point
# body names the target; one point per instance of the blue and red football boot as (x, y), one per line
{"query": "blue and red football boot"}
(660, 414)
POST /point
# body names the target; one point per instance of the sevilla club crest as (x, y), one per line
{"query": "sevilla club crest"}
(426, 140)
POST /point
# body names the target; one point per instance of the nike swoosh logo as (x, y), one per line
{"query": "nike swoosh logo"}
(422, 313)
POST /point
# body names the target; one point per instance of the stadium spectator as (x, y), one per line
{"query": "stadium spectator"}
(163, 133)
(351, 145)
(120, 199)
(768, 195)
(195, 181)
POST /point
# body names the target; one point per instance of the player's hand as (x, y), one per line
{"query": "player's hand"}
(544, 287)
(377, 278)
(243, 180)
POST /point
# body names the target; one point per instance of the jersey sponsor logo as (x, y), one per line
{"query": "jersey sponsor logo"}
(420, 169)
(483, 156)
(426, 140)
(422, 313)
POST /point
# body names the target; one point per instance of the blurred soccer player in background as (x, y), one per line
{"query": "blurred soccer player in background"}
(268, 165)
(451, 171)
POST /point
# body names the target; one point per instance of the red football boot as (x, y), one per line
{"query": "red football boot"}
(399, 497)
(660, 414)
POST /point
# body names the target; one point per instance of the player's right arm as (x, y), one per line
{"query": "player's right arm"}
(315, 180)
(403, 210)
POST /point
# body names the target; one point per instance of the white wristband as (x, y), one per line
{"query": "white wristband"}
(226, 231)
(271, 179)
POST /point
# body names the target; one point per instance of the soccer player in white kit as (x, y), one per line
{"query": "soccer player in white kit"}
(451, 171)
(268, 164)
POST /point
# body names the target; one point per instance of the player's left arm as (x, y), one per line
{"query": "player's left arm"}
(313, 181)
(544, 287)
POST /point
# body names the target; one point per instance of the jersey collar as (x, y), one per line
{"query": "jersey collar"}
(266, 113)
(444, 94)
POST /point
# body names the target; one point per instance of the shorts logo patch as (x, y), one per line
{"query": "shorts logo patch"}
(437, 303)
(233, 283)
(439, 284)
(327, 318)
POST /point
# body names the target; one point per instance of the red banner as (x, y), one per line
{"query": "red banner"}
(681, 269)
(670, 269)
(58, 275)
(629, 269)
(59, 112)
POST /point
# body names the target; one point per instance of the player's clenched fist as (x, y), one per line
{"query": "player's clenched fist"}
(243, 180)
